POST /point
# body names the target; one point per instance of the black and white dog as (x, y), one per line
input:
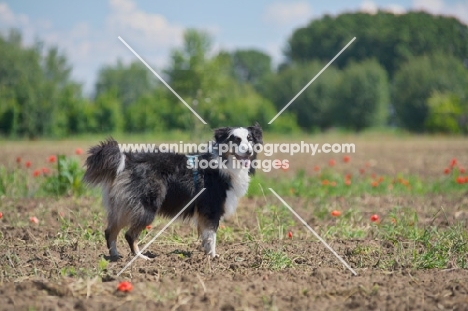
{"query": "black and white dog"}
(138, 186)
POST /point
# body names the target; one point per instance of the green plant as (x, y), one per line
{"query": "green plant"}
(67, 180)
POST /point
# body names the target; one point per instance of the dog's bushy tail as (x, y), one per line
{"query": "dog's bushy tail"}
(103, 162)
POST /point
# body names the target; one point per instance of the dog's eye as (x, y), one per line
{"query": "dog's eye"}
(249, 137)
(237, 139)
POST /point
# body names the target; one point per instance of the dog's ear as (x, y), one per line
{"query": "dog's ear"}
(221, 134)
(256, 132)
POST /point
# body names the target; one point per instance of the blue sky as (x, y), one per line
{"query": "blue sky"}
(87, 30)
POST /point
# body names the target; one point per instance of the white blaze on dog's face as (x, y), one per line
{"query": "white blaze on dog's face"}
(242, 148)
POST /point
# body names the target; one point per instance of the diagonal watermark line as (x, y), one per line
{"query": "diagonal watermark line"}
(159, 233)
(316, 76)
(315, 233)
(161, 79)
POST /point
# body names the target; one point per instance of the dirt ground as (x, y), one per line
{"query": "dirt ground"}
(180, 277)
(57, 264)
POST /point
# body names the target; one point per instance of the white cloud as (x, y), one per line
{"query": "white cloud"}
(8, 18)
(286, 13)
(370, 7)
(431, 6)
(458, 9)
(153, 29)
(395, 9)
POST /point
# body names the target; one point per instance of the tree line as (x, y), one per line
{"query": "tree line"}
(406, 70)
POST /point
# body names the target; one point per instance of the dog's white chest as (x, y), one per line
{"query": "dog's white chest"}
(240, 185)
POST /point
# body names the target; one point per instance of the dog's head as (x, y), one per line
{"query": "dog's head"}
(239, 143)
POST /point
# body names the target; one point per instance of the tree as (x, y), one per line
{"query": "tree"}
(36, 87)
(314, 107)
(447, 114)
(362, 96)
(416, 80)
(130, 82)
(391, 39)
(251, 66)
(107, 114)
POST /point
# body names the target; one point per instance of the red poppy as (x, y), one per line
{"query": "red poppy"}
(375, 183)
(34, 219)
(290, 234)
(79, 151)
(45, 170)
(316, 168)
(348, 176)
(362, 171)
(346, 159)
(332, 162)
(460, 180)
(375, 218)
(52, 159)
(335, 213)
(18, 160)
(453, 162)
(125, 286)
(1, 215)
(347, 182)
(36, 173)
(325, 182)
(462, 170)
(447, 171)
(333, 183)
(27, 164)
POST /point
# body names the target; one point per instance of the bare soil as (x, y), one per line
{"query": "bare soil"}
(180, 277)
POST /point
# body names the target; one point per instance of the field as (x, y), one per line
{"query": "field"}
(412, 257)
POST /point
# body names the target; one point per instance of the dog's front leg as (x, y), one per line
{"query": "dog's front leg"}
(208, 237)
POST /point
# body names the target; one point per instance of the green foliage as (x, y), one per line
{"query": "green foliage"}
(67, 180)
(251, 66)
(276, 260)
(314, 107)
(391, 39)
(362, 96)
(129, 82)
(420, 77)
(107, 114)
(447, 114)
(208, 85)
(36, 88)
(148, 113)
(13, 183)
(422, 54)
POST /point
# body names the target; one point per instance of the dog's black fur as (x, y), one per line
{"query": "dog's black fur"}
(139, 186)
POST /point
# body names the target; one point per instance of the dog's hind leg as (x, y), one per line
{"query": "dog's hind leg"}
(139, 222)
(115, 223)
(111, 233)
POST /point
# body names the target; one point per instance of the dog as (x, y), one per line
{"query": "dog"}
(137, 187)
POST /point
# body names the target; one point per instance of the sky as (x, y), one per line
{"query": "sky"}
(87, 31)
